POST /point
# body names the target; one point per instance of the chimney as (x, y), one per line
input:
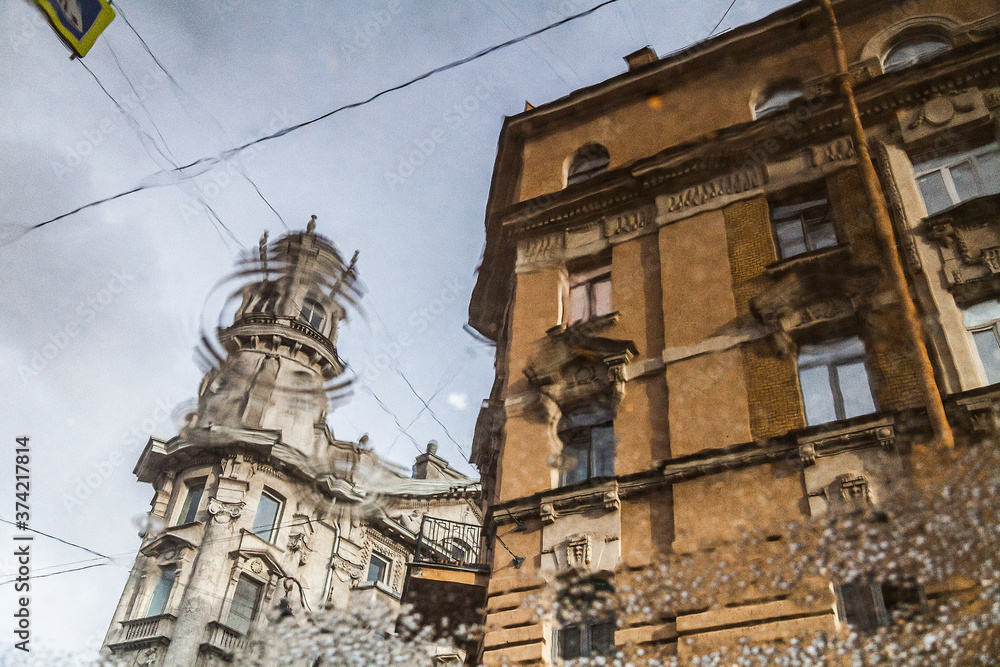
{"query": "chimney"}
(642, 57)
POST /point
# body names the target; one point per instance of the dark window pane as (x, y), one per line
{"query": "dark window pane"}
(989, 354)
(602, 638)
(376, 569)
(158, 602)
(790, 239)
(854, 388)
(936, 197)
(861, 602)
(817, 395)
(965, 181)
(569, 643)
(266, 518)
(575, 463)
(244, 605)
(603, 443)
(191, 501)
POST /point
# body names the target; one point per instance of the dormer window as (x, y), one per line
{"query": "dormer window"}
(588, 161)
(312, 313)
(910, 51)
(777, 98)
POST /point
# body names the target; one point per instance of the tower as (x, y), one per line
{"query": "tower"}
(255, 496)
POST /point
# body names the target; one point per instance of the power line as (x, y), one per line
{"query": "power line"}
(724, 15)
(52, 574)
(208, 162)
(59, 539)
(177, 86)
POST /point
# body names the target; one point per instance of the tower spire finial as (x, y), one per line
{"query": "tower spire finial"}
(311, 227)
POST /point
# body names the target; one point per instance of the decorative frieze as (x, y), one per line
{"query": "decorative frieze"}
(748, 178)
(968, 240)
(629, 221)
(941, 112)
(841, 148)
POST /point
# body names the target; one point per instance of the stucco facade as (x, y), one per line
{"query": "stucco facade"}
(258, 510)
(719, 189)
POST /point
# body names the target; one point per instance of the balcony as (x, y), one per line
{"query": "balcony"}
(140, 632)
(223, 641)
(446, 582)
(450, 543)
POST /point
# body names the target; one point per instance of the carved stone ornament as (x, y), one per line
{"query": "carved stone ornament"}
(629, 221)
(256, 566)
(297, 544)
(572, 366)
(344, 566)
(148, 656)
(968, 240)
(730, 184)
(578, 551)
(940, 112)
(225, 512)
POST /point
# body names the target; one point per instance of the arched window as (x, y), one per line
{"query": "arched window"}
(266, 303)
(589, 161)
(777, 98)
(312, 313)
(909, 51)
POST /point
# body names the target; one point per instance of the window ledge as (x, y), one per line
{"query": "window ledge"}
(379, 586)
(837, 253)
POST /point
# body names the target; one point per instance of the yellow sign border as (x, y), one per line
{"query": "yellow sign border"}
(80, 46)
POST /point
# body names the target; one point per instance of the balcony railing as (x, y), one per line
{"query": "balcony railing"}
(224, 639)
(140, 630)
(450, 543)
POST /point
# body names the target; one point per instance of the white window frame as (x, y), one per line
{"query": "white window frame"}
(255, 610)
(980, 325)
(168, 590)
(586, 283)
(272, 531)
(186, 504)
(316, 311)
(385, 571)
(833, 355)
(914, 39)
(796, 210)
(777, 99)
(945, 164)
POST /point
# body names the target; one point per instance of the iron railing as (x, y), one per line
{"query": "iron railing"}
(450, 543)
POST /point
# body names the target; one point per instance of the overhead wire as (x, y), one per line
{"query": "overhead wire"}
(178, 88)
(208, 162)
(724, 15)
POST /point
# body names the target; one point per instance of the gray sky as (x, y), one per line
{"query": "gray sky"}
(102, 309)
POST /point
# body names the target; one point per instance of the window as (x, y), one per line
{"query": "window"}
(589, 294)
(158, 601)
(866, 604)
(589, 638)
(912, 50)
(777, 98)
(266, 303)
(834, 381)
(588, 438)
(802, 225)
(312, 313)
(377, 569)
(982, 321)
(243, 609)
(949, 180)
(265, 522)
(195, 489)
(588, 161)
